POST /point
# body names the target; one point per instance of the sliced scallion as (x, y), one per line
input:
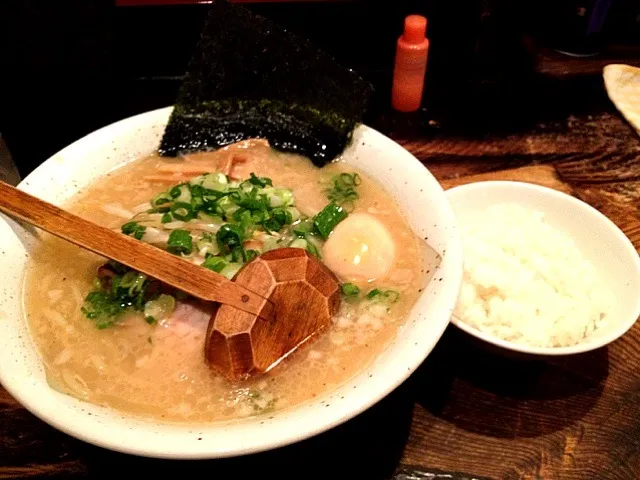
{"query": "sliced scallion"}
(350, 290)
(327, 219)
(134, 229)
(182, 211)
(229, 237)
(214, 263)
(161, 199)
(260, 181)
(180, 242)
(299, 243)
(386, 296)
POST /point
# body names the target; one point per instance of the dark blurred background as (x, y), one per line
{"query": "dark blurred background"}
(68, 67)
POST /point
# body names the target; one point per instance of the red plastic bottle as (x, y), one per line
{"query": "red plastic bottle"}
(410, 65)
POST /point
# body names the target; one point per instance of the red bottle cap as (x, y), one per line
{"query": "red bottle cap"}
(415, 29)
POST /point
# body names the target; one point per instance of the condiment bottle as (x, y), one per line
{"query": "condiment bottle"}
(410, 65)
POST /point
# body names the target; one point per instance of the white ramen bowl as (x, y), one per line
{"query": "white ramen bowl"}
(601, 242)
(414, 189)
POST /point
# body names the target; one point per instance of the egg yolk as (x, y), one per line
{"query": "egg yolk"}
(359, 249)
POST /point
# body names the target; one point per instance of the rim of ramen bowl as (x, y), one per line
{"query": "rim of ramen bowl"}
(65, 173)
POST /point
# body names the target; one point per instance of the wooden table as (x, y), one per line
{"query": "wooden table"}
(465, 414)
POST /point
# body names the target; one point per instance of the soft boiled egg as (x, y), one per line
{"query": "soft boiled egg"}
(359, 249)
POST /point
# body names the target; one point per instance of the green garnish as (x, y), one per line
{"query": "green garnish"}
(182, 211)
(159, 308)
(304, 228)
(161, 199)
(126, 292)
(229, 237)
(343, 190)
(374, 293)
(312, 249)
(180, 242)
(134, 229)
(327, 219)
(386, 296)
(216, 264)
(103, 308)
(350, 290)
(231, 223)
(260, 181)
(251, 254)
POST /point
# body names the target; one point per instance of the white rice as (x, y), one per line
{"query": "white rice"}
(526, 282)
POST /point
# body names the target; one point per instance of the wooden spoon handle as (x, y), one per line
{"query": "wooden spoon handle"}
(155, 262)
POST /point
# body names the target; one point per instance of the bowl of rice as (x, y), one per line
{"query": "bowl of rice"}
(544, 272)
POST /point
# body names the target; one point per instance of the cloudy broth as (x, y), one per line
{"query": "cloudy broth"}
(159, 370)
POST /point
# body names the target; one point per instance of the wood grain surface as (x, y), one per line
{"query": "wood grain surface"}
(467, 413)
(170, 269)
(306, 295)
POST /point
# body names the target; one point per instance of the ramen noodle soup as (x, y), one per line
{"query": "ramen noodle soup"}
(111, 336)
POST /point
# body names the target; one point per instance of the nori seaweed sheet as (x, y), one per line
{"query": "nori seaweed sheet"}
(250, 78)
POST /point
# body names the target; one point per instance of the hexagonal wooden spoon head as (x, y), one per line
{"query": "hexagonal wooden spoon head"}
(305, 294)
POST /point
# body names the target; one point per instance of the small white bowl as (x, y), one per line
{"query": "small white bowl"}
(598, 238)
(411, 185)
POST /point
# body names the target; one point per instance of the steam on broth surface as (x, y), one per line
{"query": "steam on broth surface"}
(156, 367)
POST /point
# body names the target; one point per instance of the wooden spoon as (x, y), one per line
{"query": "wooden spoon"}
(244, 336)
(306, 295)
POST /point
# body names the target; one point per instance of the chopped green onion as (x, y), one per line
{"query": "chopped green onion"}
(210, 219)
(260, 181)
(229, 236)
(246, 223)
(295, 214)
(282, 217)
(197, 191)
(161, 199)
(197, 203)
(350, 290)
(215, 181)
(133, 228)
(299, 243)
(216, 264)
(150, 320)
(133, 281)
(182, 211)
(313, 249)
(343, 191)
(238, 255)
(279, 197)
(327, 219)
(181, 193)
(387, 296)
(251, 254)
(180, 242)
(166, 218)
(160, 308)
(207, 244)
(304, 228)
(226, 206)
(374, 293)
(392, 296)
(230, 270)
